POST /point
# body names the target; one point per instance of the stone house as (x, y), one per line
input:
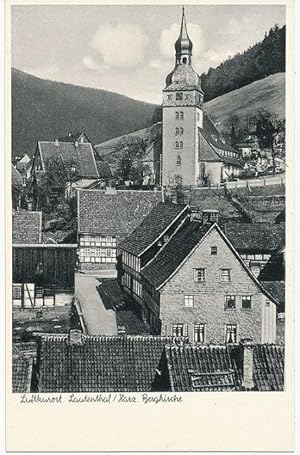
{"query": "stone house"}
(105, 218)
(145, 242)
(198, 286)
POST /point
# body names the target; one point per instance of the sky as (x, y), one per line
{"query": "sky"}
(130, 49)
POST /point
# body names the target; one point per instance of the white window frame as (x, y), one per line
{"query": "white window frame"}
(223, 275)
(189, 301)
(196, 275)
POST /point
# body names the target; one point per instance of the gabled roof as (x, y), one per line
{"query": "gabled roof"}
(198, 368)
(114, 214)
(81, 155)
(212, 146)
(26, 227)
(260, 237)
(161, 217)
(171, 257)
(99, 363)
(16, 179)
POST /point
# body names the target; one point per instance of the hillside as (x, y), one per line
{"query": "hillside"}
(267, 94)
(44, 110)
(259, 61)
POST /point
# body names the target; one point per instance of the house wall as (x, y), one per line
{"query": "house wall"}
(97, 251)
(209, 296)
(213, 171)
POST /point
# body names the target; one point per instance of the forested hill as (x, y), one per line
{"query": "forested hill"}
(259, 61)
(45, 110)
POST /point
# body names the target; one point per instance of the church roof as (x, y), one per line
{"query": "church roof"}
(183, 44)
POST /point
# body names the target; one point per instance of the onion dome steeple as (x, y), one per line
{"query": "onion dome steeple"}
(183, 45)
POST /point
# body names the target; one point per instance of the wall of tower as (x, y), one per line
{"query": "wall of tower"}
(179, 161)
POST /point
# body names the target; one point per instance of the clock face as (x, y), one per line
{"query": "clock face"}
(179, 96)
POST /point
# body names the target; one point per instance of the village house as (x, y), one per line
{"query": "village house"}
(77, 155)
(77, 363)
(145, 242)
(256, 243)
(105, 218)
(194, 152)
(198, 286)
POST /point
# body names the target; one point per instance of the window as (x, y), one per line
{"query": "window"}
(189, 301)
(246, 302)
(39, 292)
(177, 115)
(199, 275)
(213, 250)
(267, 302)
(225, 275)
(177, 330)
(199, 333)
(229, 302)
(178, 162)
(231, 333)
(177, 144)
(181, 116)
(176, 131)
(17, 291)
(179, 96)
(181, 131)
(169, 97)
(181, 144)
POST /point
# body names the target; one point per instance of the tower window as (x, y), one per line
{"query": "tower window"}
(184, 60)
(181, 131)
(179, 96)
(176, 144)
(169, 97)
(181, 144)
(181, 116)
(176, 131)
(177, 115)
(178, 162)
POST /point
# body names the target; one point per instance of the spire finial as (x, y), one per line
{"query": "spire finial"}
(183, 45)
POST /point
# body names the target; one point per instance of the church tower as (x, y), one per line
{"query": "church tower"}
(182, 116)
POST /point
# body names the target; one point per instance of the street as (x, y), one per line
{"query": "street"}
(98, 320)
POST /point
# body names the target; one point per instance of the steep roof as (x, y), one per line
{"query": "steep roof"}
(114, 214)
(21, 374)
(16, 179)
(200, 368)
(81, 155)
(255, 236)
(152, 227)
(26, 227)
(196, 368)
(174, 252)
(99, 363)
(276, 289)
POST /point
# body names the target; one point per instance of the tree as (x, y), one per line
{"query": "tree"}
(268, 127)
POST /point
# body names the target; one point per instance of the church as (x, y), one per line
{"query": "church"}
(193, 151)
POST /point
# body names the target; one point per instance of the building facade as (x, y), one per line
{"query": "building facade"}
(193, 153)
(198, 286)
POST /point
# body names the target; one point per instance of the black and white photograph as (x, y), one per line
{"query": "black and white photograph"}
(148, 199)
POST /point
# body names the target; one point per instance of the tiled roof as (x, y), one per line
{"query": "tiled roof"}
(82, 156)
(99, 363)
(114, 214)
(26, 227)
(16, 179)
(276, 289)
(204, 198)
(174, 252)
(196, 368)
(21, 374)
(152, 227)
(255, 236)
(219, 368)
(206, 151)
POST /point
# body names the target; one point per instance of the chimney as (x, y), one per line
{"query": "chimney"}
(247, 348)
(75, 337)
(56, 142)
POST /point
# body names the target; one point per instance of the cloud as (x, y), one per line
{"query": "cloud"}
(170, 35)
(215, 57)
(92, 64)
(122, 45)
